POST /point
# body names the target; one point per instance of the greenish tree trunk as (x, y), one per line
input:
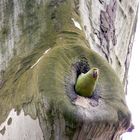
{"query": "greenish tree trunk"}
(45, 46)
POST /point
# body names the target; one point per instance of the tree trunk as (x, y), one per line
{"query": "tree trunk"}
(45, 46)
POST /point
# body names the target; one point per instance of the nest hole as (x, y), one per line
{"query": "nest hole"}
(81, 66)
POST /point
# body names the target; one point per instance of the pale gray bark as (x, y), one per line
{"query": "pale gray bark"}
(110, 29)
(30, 33)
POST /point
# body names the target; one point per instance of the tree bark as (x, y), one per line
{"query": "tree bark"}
(45, 46)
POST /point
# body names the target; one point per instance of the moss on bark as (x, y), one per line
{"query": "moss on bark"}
(38, 82)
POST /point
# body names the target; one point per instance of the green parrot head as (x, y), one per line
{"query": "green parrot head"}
(86, 82)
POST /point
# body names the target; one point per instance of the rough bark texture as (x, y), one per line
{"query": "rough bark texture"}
(110, 28)
(45, 46)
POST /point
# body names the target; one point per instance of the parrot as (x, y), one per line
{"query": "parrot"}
(86, 82)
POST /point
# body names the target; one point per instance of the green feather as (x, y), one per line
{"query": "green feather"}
(86, 83)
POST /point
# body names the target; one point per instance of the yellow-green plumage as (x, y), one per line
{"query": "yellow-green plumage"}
(86, 83)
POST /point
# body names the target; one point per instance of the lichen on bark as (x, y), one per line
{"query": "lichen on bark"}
(40, 79)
